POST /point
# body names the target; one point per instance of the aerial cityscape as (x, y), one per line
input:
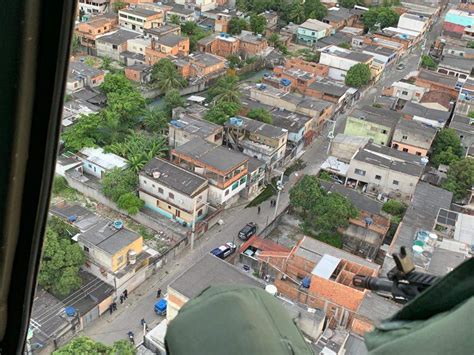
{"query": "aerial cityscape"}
(289, 145)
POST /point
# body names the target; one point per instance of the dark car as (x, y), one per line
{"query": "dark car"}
(249, 230)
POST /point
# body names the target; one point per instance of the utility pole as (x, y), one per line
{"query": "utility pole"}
(331, 135)
(279, 188)
(193, 229)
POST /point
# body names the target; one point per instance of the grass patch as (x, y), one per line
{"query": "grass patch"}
(62, 189)
(298, 165)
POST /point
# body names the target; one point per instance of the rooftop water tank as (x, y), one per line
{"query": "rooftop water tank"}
(118, 224)
(236, 121)
(285, 82)
(72, 218)
(70, 311)
(306, 282)
(132, 257)
(271, 289)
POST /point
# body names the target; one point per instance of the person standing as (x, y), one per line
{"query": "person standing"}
(111, 309)
(125, 294)
(158, 293)
(114, 306)
(121, 299)
(258, 210)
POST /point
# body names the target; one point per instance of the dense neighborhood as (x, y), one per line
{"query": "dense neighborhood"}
(286, 145)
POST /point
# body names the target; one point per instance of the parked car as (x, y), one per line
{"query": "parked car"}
(337, 180)
(224, 251)
(249, 230)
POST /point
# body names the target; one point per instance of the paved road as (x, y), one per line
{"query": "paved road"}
(140, 303)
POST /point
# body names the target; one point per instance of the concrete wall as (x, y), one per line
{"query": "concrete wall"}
(140, 217)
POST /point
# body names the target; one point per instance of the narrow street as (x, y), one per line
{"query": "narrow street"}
(140, 303)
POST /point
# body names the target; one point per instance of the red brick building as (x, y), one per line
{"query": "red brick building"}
(330, 271)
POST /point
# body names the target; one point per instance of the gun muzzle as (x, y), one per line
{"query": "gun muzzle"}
(372, 283)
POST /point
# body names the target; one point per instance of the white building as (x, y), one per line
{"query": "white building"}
(340, 60)
(94, 7)
(407, 91)
(173, 192)
(96, 162)
(412, 22)
(137, 19)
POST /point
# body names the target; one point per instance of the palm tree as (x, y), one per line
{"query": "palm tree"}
(226, 90)
(166, 76)
(155, 120)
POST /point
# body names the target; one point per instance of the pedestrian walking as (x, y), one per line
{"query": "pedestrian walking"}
(121, 299)
(158, 293)
(114, 306)
(125, 294)
(258, 210)
(111, 309)
(143, 322)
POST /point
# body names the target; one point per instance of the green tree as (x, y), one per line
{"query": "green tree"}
(348, 4)
(116, 82)
(84, 133)
(470, 44)
(237, 25)
(257, 23)
(75, 43)
(155, 120)
(358, 75)
(394, 207)
(274, 39)
(310, 56)
(470, 114)
(106, 61)
(460, 179)
(296, 12)
(446, 157)
(90, 61)
(446, 147)
(428, 62)
(322, 212)
(119, 5)
(166, 77)
(130, 203)
(305, 194)
(226, 90)
(62, 228)
(380, 16)
(60, 264)
(172, 100)
(314, 9)
(331, 212)
(220, 113)
(189, 27)
(260, 114)
(234, 61)
(119, 182)
(139, 148)
(85, 345)
(174, 19)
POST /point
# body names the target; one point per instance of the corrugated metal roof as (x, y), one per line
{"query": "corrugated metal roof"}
(326, 266)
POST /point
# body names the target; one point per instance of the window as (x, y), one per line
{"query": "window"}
(378, 177)
(360, 172)
(171, 195)
(404, 92)
(86, 249)
(395, 182)
(114, 46)
(418, 153)
(405, 137)
(160, 190)
(384, 131)
(235, 185)
(405, 150)
(90, 165)
(144, 181)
